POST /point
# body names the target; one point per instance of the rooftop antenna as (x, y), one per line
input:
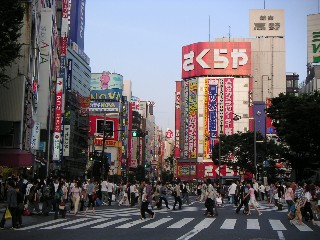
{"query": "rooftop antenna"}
(264, 4)
(229, 34)
(209, 28)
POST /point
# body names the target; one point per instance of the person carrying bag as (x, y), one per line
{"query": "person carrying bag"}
(12, 207)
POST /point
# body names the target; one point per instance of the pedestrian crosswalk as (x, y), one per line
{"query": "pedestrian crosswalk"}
(172, 222)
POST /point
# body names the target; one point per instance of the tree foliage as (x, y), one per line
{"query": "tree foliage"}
(237, 151)
(11, 16)
(297, 122)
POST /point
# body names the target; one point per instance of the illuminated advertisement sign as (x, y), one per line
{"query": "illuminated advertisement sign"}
(57, 122)
(104, 106)
(69, 75)
(108, 94)
(177, 119)
(228, 106)
(35, 140)
(66, 140)
(185, 120)
(183, 170)
(193, 118)
(135, 103)
(96, 126)
(216, 59)
(212, 111)
(266, 22)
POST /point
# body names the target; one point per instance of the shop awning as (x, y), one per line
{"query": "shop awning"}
(14, 158)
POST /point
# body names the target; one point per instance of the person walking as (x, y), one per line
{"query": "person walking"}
(177, 196)
(33, 199)
(262, 191)
(76, 193)
(110, 190)
(12, 205)
(210, 199)
(288, 196)
(244, 199)
(307, 204)
(232, 191)
(163, 196)
(104, 192)
(59, 198)
(252, 202)
(90, 197)
(20, 206)
(146, 199)
(47, 197)
(133, 190)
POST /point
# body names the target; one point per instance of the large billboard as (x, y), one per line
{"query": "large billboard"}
(216, 59)
(313, 38)
(267, 23)
(106, 80)
(193, 119)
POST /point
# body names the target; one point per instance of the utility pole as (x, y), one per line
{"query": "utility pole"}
(103, 144)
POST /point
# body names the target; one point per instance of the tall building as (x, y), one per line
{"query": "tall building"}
(312, 81)
(23, 116)
(226, 86)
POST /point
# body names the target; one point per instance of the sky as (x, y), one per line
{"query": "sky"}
(142, 39)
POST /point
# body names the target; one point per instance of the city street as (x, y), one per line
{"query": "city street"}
(124, 223)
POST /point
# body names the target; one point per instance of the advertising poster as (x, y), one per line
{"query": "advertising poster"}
(177, 150)
(193, 118)
(228, 106)
(185, 120)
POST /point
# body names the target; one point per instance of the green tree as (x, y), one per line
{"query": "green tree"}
(11, 16)
(237, 151)
(297, 122)
(140, 173)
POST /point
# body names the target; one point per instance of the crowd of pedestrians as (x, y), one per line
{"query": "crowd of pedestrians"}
(42, 196)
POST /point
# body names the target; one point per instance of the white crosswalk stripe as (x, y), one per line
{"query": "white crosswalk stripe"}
(157, 223)
(181, 223)
(66, 223)
(229, 224)
(171, 222)
(277, 225)
(87, 223)
(253, 224)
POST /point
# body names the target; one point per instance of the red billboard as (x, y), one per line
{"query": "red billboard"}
(95, 122)
(216, 59)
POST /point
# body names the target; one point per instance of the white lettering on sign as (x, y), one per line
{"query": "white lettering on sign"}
(220, 59)
(188, 63)
(208, 171)
(229, 172)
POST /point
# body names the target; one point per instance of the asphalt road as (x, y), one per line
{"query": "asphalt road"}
(189, 223)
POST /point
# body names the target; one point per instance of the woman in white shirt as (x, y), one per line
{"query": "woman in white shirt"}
(76, 193)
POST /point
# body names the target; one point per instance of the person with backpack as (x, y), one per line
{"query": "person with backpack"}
(146, 199)
(33, 200)
(244, 190)
(47, 197)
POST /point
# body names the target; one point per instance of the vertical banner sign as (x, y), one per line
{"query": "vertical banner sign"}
(35, 140)
(57, 124)
(66, 140)
(178, 120)
(185, 119)
(69, 75)
(213, 110)
(221, 107)
(193, 118)
(205, 119)
(228, 106)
